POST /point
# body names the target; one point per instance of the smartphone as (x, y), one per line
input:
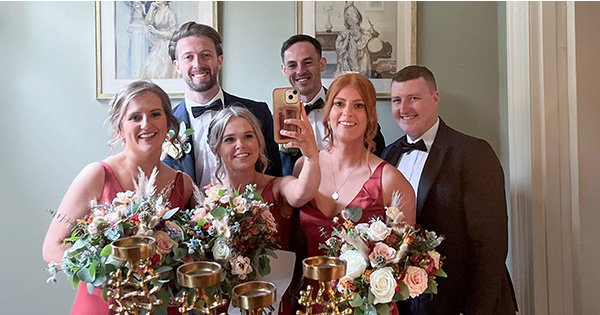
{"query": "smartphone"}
(286, 104)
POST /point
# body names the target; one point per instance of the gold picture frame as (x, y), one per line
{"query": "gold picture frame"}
(132, 41)
(388, 28)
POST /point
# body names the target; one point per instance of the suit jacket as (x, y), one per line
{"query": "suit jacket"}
(461, 196)
(288, 160)
(263, 114)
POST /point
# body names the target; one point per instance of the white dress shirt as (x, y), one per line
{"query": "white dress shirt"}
(411, 164)
(205, 160)
(316, 120)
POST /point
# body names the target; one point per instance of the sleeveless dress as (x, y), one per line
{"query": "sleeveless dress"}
(284, 225)
(94, 304)
(369, 198)
(283, 236)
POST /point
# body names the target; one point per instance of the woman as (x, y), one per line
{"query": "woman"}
(161, 23)
(351, 175)
(140, 115)
(351, 43)
(235, 137)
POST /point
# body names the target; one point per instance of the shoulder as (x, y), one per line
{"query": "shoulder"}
(467, 146)
(92, 171)
(252, 105)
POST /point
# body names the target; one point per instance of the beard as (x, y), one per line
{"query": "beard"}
(202, 87)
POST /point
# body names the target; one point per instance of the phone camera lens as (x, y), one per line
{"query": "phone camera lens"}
(290, 97)
(295, 92)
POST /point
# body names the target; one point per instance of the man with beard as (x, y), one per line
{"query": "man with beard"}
(198, 56)
(302, 64)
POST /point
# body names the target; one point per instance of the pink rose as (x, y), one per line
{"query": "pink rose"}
(199, 213)
(241, 267)
(164, 243)
(388, 253)
(416, 280)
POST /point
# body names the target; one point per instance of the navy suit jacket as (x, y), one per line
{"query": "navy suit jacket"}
(461, 196)
(263, 114)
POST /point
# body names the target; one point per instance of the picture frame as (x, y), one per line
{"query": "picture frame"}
(132, 40)
(385, 43)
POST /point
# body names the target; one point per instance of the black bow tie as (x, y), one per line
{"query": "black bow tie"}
(318, 104)
(406, 147)
(199, 110)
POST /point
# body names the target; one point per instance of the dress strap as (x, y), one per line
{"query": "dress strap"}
(112, 186)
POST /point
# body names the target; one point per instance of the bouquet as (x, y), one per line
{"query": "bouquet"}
(386, 261)
(236, 230)
(138, 212)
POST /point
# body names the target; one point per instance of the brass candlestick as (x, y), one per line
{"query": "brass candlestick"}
(198, 276)
(323, 269)
(252, 297)
(133, 293)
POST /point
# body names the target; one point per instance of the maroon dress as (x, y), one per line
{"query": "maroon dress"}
(369, 198)
(94, 304)
(284, 225)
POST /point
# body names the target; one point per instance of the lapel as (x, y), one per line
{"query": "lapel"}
(433, 165)
(393, 155)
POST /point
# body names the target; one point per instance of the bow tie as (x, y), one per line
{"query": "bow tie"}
(199, 110)
(406, 147)
(318, 104)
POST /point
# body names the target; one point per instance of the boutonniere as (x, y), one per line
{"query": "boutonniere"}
(176, 145)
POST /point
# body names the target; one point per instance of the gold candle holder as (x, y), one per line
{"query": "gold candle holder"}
(323, 269)
(198, 276)
(252, 297)
(133, 293)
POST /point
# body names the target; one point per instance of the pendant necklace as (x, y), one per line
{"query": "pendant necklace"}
(335, 196)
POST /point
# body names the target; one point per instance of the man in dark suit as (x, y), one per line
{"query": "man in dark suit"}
(302, 64)
(198, 56)
(459, 185)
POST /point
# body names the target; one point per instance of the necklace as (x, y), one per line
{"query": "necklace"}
(335, 194)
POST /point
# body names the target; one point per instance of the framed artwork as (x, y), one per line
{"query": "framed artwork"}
(132, 39)
(375, 38)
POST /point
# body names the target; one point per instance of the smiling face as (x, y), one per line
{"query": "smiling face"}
(144, 124)
(239, 148)
(302, 66)
(348, 117)
(414, 106)
(197, 61)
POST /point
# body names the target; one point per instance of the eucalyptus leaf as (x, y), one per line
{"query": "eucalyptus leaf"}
(93, 268)
(404, 290)
(383, 309)
(179, 253)
(271, 252)
(357, 301)
(90, 288)
(218, 213)
(189, 132)
(355, 213)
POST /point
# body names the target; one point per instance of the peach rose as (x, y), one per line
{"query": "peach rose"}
(388, 253)
(416, 281)
(241, 267)
(436, 258)
(164, 243)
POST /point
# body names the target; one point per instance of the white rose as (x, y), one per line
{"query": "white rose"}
(221, 251)
(401, 251)
(239, 204)
(356, 263)
(378, 231)
(383, 285)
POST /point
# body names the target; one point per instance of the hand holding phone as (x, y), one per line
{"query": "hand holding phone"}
(286, 105)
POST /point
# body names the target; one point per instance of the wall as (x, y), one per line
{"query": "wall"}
(53, 125)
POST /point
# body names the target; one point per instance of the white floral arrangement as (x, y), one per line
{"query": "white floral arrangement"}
(386, 261)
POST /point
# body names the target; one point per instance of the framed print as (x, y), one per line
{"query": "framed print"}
(132, 40)
(375, 38)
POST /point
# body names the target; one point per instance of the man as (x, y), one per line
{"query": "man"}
(197, 55)
(302, 65)
(459, 185)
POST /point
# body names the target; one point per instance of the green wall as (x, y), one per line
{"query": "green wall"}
(53, 125)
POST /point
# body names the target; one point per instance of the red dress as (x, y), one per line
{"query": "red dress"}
(284, 225)
(94, 304)
(369, 198)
